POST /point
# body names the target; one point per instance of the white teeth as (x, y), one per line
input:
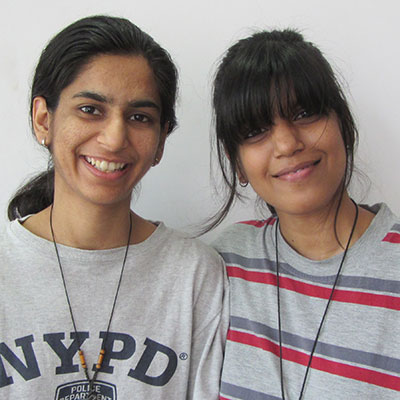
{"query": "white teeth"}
(105, 166)
(295, 172)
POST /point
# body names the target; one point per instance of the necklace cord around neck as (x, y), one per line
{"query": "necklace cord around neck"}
(326, 307)
(279, 311)
(102, 350)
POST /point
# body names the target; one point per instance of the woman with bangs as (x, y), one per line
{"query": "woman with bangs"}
(315, 287)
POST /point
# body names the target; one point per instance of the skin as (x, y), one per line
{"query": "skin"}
(297, 166)
(110, 113)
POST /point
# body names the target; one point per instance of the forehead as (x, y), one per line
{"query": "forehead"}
(121, 78)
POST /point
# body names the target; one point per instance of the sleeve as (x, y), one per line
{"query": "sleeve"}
(208, 340)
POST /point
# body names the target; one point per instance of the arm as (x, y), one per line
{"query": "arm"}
(209, 339)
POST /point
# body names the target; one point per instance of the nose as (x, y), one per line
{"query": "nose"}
(286, 138)
(114, 134)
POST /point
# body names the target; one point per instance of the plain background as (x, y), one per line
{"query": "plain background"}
(359, 38)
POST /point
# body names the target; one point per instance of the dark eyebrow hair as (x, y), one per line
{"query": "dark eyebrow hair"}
(104, 99)
(144, 103)
(93, 96)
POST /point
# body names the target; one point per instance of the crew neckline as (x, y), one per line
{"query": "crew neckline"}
(38, 245)
(330, 265)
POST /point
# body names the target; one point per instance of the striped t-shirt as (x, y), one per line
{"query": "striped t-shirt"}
(358, 352)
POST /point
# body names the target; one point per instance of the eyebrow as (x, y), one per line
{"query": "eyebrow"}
(93, 96)
(105, 99)
(144, 103)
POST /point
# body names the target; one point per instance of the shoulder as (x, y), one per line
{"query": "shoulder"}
(245, 240)
(182, 240)
(392, 224)
(245, 236)
(180, 248)
(377, 252)
(19, 250)
(4, 236)
(194, 265)
(385, 227)
(12, 233)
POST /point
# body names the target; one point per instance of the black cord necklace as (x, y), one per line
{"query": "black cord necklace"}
(91, 394)
(324, 314)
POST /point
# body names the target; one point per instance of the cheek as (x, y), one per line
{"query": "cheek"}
(149, 140)
(65, 130)
(66, 139)
(254, 162)
(338, 151)
(62, 146)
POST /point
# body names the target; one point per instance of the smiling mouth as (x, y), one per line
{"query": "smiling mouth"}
(295, 170)
(105, 166)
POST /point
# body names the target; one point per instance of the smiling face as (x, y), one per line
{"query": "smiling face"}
(105, 132)
(296, 166)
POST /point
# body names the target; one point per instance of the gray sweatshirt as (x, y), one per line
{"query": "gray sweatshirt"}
(167, 334)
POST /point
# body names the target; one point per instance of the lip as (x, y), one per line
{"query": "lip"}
(108, 175)
(101, 158)
(299, 170)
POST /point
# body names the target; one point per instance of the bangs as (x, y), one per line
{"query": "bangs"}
(270, 75)
(264, 83)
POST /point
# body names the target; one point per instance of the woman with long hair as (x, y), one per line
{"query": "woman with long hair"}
(96, 301)
(315, 288)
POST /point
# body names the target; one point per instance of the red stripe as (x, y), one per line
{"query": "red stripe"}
(223, 398)
(319, 363)
(251, 276)
(258, 223)
(252, 340)
(392, 237)
(344, 296)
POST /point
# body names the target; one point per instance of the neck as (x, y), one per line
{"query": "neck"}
(324, 233)
(89, 226)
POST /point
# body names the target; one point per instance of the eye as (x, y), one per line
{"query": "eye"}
(301, 115)
(139, 118)
(256, 134)
(305, 116)
(90, 110)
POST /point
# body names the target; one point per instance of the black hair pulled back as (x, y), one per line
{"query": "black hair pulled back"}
(62, 60)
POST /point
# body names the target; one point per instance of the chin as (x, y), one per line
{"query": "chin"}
(108, 200)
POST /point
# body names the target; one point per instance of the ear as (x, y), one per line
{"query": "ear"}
(241, 177)
(41, 120)
(239, 169)
(240, 174)
(161, 144)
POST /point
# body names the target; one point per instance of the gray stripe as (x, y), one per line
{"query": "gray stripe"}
(243, 393)
(395, 227)
(337, 352)
(346, 281)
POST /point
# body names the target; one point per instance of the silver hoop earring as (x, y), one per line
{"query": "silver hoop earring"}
(243, 184)
(156, 161)
(43, 142)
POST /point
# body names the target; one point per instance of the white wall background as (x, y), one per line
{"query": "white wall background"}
(360, 38)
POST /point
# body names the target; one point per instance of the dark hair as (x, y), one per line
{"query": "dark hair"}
(266, 74)
(60, 63)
